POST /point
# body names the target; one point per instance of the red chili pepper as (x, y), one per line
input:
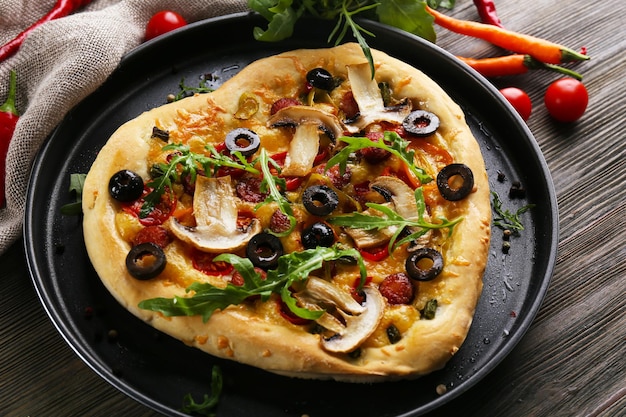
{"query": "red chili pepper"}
(487, 12)
(8, 120)
(61, 9)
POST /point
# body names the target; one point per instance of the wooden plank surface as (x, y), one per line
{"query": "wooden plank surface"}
(570, 362)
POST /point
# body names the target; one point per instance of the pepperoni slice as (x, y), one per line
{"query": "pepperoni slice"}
(160, 212)
(397, 289)
(204, 262)
(158, 235)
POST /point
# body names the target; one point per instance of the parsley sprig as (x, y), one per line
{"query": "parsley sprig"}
(391, 218)
(294, 267)
(392, 142)
(505, 219)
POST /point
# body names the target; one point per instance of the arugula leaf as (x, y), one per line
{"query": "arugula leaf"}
(186, 163)
(504, 218)
(391, 218)
(281, 16)
(269, 183)
(293, 267)
(346, 21)
(408, 15)
(77, 182)
(392, 142)
(207, 406)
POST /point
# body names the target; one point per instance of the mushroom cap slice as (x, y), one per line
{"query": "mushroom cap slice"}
(303, 149)
(399, 193)
(364, 238)
(370, 101)
(403, 198)
(297, 115)
(358, 327)
(325, 291)
(215, 209)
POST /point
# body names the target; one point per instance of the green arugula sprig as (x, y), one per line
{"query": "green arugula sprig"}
(185, 163)
(209, 402)
(408, 15)
(270, 184)
(505, 219)
(392, 142)
(187, 90)
(293, 267)
(391, 218)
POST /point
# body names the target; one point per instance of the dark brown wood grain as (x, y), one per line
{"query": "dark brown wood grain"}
(569, 363)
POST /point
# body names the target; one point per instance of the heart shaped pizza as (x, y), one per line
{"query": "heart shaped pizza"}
(312, 217)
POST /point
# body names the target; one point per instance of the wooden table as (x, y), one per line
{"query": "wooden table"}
(570, 362)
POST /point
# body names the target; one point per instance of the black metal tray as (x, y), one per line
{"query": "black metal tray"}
(158, 370)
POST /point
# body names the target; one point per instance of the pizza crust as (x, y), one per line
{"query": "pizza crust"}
(236, 333)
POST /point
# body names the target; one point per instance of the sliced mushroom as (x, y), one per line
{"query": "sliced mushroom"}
(364, 239)
(350, 322)
(358, 327)
(370, 101)
(215, 208)
(298, 115)
(304, 145)
(324, 291)
(399, 193)
(403, 197)
(303, 149)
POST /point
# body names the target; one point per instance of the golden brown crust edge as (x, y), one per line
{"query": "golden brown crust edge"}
(232, 333)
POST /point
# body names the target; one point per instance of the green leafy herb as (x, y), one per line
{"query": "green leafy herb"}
(391, 218)
(505, 219)
(77, 182)
(207, 406)
(185, 163)
(270, 184)
(186, 90)
(408, 15)
(293, 267)
(392, 142)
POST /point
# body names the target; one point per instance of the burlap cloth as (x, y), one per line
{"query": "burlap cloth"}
(61, 63)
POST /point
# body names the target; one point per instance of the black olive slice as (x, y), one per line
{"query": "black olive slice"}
(263, 250)
(447, 176)
(321, 78)
(318, 234)
(421, 123)
(145, 261)
(320, 200)
(164, 135)
(125, 186)
(242, 140)
(415, 264)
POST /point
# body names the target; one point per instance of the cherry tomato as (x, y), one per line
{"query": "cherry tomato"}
(163, 22)
(519, 100)
(566, 99)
